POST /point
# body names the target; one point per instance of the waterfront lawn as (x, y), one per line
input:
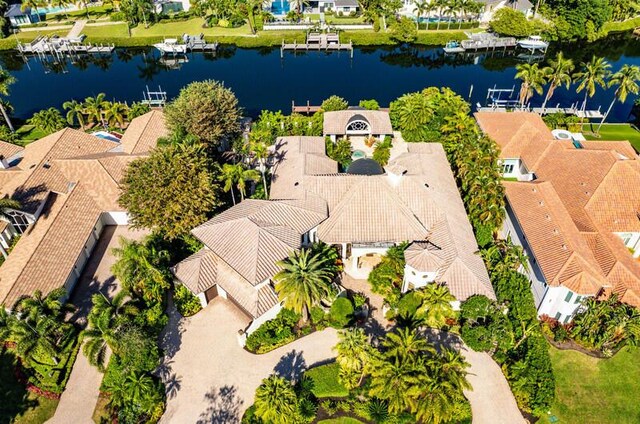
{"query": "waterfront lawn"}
(19, 406)
(613, 132)
(325, 381)
(590, 390)
(29, 133)
(118, 30)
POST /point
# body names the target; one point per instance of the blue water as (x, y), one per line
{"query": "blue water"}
(54, 9)
(280, 7)
(262, 80)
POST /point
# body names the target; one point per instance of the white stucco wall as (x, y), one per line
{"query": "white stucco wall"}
(115, 218)
(632, 241)
(419, 279)
(269, 315)
(517, 170)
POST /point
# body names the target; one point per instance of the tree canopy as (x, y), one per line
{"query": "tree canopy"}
(172, 191)
(207, 110)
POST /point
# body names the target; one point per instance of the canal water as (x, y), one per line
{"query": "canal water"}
(263, 80)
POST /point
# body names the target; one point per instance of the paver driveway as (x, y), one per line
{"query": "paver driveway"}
(211, 379)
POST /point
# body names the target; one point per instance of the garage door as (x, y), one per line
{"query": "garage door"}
(211, 293)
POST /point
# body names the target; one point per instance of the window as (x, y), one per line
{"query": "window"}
(566, 319)
(19, 220)
(568, 297)
(626, 238)
(358, 126)
(578, 299)
(507, 168)
(558, 315)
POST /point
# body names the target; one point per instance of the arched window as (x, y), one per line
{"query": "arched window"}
(358, 126)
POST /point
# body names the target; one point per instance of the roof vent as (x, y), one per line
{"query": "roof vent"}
(564, 247)
(555, 231)
(534, 190)
(548, 217)
(46, 166)
(541, 203)
(426, 185)
(296, 184)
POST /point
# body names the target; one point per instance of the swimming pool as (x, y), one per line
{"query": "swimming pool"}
(106, 136)
(280, 7)
(54, 9)
(358, 154)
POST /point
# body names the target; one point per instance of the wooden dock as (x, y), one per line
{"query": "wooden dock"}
(488, 42)
(318, 42)
(307, 109)
(60, 46)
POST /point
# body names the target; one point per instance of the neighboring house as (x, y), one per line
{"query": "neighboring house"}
(362, 212)
(357, 122)
(345, 6)
(577, 219)
(492, 6)
(68, 187)
(18, 17)
(171, 6)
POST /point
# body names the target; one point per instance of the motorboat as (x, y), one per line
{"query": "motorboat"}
(534, 42)
(171, 46)
(453, 47)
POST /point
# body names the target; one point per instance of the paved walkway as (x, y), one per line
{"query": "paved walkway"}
(211, 379)
(77, 28)
(81, 394)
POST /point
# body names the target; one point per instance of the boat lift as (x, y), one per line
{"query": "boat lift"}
(156, 99)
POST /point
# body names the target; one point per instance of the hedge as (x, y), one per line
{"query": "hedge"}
(325, 381)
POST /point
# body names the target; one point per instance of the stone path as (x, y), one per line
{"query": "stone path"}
(211, 379)
(77, 28)
(81, 393)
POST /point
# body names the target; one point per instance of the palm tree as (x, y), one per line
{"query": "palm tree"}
(299, 5)
(440, 5)
(276, 401)
(261, 153)
(396, 382)
(105, 320)
(421, 7)
(429, 8)
(48, 120)
(406, 345)
(354, 354)
(115, 114)
(303, 281)
(532, 81)
(6, 80)
(236, 174)
(139, 269)
(627, 81)
(592, 75)
(453, 7)
(557, 73)
(75, 112)
(37, 305)
(32, 4)
(40, 339)
(436, 305)
(94, 108)
(135, 387)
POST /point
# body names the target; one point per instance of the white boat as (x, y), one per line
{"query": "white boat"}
(170, 45)
(534, 42)
(453, 47)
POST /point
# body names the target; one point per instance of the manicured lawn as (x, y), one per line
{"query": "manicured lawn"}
(595, 391)
(341, 420)
(17, 405)
(191, 26)
(325, 381)
(613, 132)
(29, 133)
(104, 31)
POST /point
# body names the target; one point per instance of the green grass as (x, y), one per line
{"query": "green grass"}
(613, 132)
(19, 406)
(594, 391)
(325, 381)
(627, 25)
(29, 133)
(341, 420)
(118, 30)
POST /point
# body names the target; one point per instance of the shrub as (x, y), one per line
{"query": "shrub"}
(341, 312)
(369, 104)
(117, 17)
(340, 151)
(317, 314)
(404, 30)
(560, 333)
(273, 333)
(510, 22)
(477, 338)
(186, 302)
(386, 277)
(409, 304)
(334, 103)
(326, 381)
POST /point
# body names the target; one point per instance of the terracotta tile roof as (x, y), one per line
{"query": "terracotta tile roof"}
(255, 234)
(43, 259)
(563, 255)
(519, 134)
(143, 132)
(204, 269)
(336, 122)
(8, 150)
(623, 149)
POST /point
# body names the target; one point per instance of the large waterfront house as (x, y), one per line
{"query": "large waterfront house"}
(574, 206)
(68, 186)
(362, 212)
(489, 8)
(357, 122)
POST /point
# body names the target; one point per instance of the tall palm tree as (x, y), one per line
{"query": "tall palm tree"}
(261, 153)
(396, 382)
(115, 114)
(236, 174)
(303, 281)
(453, 7)
(299, 5)
(627, 81)
(406, 345)
(436, 305)
(429, 8)
(276, 401)
(94, 108)
(6, 80)
(440, 5)
(40, 339)
(139, 269)
(592, 75)
(75, 112)
(354, 355)
(558, 73)
(532, 78)
(421, 7)
(105, 320)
